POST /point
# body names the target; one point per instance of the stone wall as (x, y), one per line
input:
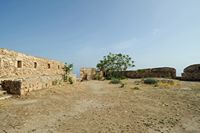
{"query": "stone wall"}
(12, 87)
(20, 73)
(15, 65)
(87, 73)
(25, 85)
(192, 73)
(163, 72)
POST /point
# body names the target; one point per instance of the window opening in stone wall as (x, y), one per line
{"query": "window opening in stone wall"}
(58, 67)
(19, 64)
(49, 66)
(199, 68)
(35, 64)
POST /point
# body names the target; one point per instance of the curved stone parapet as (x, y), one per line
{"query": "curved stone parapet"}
(161, 72)
(192, 73)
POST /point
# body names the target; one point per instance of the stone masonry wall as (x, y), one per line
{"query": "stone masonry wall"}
(87, 73)
(192, 73)
(163, 72)
(25, 85)
(15, 65)
(20, 73)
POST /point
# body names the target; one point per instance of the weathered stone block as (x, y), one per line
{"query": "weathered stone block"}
(12, 87)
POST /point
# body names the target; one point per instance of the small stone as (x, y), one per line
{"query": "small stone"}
(33, 130)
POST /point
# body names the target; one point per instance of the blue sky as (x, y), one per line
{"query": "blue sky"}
(154, 33)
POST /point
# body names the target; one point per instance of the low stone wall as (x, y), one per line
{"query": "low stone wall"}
(191, 73)
(164, 72)
(25, 85)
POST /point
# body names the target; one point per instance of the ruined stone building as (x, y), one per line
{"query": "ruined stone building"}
(192, 73)
(20, 73)
(87, 73)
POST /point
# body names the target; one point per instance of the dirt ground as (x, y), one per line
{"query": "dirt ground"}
(100, 107)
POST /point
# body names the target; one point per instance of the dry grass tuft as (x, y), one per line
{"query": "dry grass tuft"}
(168, 84)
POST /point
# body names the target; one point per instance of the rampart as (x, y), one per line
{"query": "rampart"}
(29, 72)
(192, 73)
(162, 72)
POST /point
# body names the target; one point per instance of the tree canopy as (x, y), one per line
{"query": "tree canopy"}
(114, 63)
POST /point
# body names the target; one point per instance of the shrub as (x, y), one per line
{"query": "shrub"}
(71, 80)
(65, 78)
(115, 81)
(137, 82)
(150, 81)
(123, 77)
(68, 79)
(108, 78)
(168, 84)
(141, 70)
(98, 76)
(55, 82)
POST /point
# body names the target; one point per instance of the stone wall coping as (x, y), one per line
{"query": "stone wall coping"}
(27, 55)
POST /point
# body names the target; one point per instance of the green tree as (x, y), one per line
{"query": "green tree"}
(113, 64)
(67, 69)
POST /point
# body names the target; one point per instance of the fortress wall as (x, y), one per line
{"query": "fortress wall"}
(17, 65)
(192, 73)
(20, 73)
(163, 72)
